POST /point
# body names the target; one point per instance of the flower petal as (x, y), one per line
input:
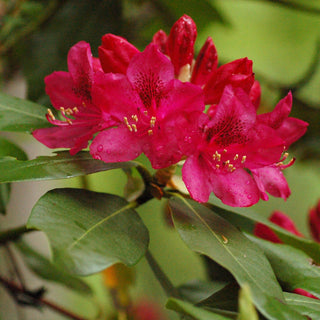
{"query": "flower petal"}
(115, 53)
(116, 145)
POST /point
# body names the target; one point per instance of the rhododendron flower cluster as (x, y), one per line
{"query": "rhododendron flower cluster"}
(153, 102)
(282, 220)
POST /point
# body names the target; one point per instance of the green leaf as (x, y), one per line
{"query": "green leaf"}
(207, 233)
(21, 115)
(45, 269)
(246, 307)
(305, 305)
(247, 216)
(89, 231)
(7, 148)
(60, 166)
(293, 268)
(193, 311)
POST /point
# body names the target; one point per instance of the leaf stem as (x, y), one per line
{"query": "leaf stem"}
(13, 234)
(15, 289)
(164, 281)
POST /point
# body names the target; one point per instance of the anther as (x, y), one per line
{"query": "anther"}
(134, 127)
(236, 157)
(75, 109)
(51, 115)
(69, 121)
(225, 150)
(62, 109)
(217, 166)
(150, 132)
(243, 159)
(145, 112)
(134, 117)
(126, 121)
(152, 121)
(129, 127)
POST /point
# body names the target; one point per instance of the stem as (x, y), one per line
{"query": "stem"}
(13, 234)
(164, 281)
(14, 288)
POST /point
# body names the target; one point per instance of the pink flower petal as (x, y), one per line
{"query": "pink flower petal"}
(116, 145)
(116, 53)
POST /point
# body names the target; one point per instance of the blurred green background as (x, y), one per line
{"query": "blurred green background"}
(281, 37)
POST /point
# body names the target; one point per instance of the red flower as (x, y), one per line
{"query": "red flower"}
(154, 113)
(70, 93)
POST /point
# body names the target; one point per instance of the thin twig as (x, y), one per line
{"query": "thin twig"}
(14, 289)
(164, 281)
(14, 234)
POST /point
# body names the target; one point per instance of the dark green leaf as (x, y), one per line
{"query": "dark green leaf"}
(246, 217)
(60, 166)
(193, 311)
(293, 268)
(305, 305)
(209, 234)
(41, 266)
(89, 231)
(7, 148)
(21, 115)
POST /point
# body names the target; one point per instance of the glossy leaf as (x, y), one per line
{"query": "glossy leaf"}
(207, 233)
(305, 305)
(293, 268)
(89, 231)
(189, 309)
(60, 166)
(247, 217)
(8, 148)
(21, 115)
(45, 269)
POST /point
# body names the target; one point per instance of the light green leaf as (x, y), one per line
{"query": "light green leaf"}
(21, 115)
(246, 307)
(193, 311)
(7, 148)
(207, 233)
(305, 305)
(247, 217)
(45, 269)
(89, 231)
(293, 268)
(60, 166)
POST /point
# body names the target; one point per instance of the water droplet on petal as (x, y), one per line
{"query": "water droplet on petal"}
(187, 139)
(249, 196)
(96, 156)
(100, 147)
(248, 182)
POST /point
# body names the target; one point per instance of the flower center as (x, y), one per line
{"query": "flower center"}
(227, 162)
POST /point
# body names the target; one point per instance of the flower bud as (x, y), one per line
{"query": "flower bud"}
(115, 53)
(314, 222)
(206, 63)
(181, 41)
(160, 39)
(304, 293)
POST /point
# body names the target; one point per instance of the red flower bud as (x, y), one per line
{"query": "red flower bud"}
(304, 293)
(314, 222)
(115, 53)
(206, 63)
(160, 39)
(181, 41)
(280, 219)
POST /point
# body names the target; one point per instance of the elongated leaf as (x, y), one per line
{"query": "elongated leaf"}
(193, 311)
(293, 268)
(60, 166)
(21, 115)
(8, 148)
(89, 231)
(45, 269)
(305, 305)
(246, 307)
(249, 216)
(209, 234)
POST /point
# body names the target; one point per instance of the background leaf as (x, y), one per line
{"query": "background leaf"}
(60, 166)
(293, 268)
(207, 233)
(21, 115)
(45, 269)
(245, 219)
(89, 231)
(246, 307)
(305, 305)
(190, 310)
(7, 148)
